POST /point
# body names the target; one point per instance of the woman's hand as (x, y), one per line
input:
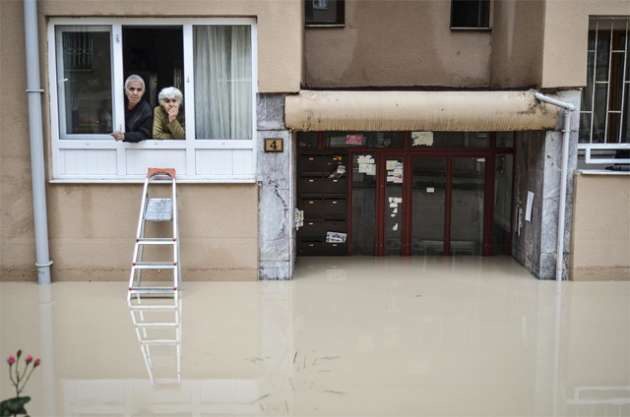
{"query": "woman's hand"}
(118, 136)
(173, 111)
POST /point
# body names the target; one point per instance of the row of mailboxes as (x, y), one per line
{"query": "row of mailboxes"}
(321, 248)
(320, 164)
(316, 229)
(331, 209)
(322, 185)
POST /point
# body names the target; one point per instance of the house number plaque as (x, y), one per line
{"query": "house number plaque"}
(274, 145)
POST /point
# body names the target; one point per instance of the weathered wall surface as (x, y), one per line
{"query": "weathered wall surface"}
(517, 43)
(92, 230)
(601, 228)
(279, 27)
(396, 43)
(17, 246)
(92, 226)
(566, 35)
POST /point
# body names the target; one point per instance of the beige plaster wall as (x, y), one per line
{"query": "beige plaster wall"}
(91, 226)
(517, 43)
(92, 229)
(17, 247)
(279, 26)
(601, 228)
(566, 37)
(396, 43)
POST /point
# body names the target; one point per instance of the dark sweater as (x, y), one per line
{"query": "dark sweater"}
(138, 122)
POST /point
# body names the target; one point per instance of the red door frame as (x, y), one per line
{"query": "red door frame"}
(407, 154)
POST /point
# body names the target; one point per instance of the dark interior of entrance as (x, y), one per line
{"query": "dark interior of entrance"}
(405, 193)
(156, 54)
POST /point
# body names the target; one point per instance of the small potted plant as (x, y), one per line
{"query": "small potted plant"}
(19, 377)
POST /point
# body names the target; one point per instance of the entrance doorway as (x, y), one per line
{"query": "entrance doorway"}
(404, 201)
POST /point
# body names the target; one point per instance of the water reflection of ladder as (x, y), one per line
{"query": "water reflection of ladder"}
(155, 209)
(158, 326)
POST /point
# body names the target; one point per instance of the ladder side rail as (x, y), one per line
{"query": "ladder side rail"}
(176, 252)
(143, 208)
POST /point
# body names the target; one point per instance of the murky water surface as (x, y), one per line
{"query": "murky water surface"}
(347, 337)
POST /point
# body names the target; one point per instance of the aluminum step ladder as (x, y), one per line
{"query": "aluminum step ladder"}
(156, 209)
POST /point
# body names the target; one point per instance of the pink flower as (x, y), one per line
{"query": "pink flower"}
(29, 359)
(11, 360)
(36, 363)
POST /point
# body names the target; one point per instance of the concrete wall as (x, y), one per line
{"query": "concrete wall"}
(279, 27)
(17, 247)
(517, 43)
(566, 35)
(601, 228)
(396, 43)
(92, 226)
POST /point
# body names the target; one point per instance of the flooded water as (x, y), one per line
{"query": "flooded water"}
(347, 337)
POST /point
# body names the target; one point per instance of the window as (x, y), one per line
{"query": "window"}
(211, 61)
(470, 14)
(605, 108)
(324, 12)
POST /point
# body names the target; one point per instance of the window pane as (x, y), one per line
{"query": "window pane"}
(599, 121)
(85, 80)
(323, 12)
(587, 93)
(585, 128)
(625, 125)
(470, 13)
(603, 55)
(223, 82)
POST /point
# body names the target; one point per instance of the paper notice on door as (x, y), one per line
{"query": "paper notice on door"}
(370, 169)
(391, 164)
(422, 138)
(430, 189)
(395, 227)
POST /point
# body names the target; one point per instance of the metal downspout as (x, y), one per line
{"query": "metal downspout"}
(38, 175)
(566, 130)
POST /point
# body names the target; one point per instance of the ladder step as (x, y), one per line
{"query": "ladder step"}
(151, 290)
(159, 209)
(156, 241)
(154, 265)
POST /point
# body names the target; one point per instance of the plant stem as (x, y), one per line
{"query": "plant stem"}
(26, 379)
(11, 378)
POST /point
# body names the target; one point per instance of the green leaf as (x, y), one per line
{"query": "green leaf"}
(13, 406)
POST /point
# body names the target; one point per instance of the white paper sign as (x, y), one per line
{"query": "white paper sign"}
(529, 207)
(422, 138)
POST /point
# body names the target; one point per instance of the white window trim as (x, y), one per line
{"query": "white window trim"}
(98, 142)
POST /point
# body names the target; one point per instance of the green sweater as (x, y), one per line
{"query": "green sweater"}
(162, 129)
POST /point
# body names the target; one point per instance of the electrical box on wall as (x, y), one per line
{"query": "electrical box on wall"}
(274, 145)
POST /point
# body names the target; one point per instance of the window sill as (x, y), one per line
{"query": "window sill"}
(470, 29)
(324, 25)
(140, 180)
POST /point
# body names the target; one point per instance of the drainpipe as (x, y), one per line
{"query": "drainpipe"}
(566, 130)
(38, 176)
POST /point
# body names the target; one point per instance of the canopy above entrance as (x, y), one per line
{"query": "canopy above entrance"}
(480, 111)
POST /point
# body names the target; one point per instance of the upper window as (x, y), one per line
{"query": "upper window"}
(324, 12)
(209, 62)
(605, 103)
(470, 14)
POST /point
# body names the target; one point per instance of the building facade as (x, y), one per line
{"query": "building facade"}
(326, 128)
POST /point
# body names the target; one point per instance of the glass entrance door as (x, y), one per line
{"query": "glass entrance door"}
(428, 205)
(393, 204)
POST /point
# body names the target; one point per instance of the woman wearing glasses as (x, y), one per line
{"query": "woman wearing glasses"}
(168, 117)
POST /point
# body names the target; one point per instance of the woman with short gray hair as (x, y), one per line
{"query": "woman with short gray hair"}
(138, 115)
(168, 119)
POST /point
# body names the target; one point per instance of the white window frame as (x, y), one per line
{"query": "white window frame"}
(243, 153)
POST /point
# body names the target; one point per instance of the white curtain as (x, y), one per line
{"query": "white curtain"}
(223, 82)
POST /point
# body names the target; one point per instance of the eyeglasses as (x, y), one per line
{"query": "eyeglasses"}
(170, 100)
